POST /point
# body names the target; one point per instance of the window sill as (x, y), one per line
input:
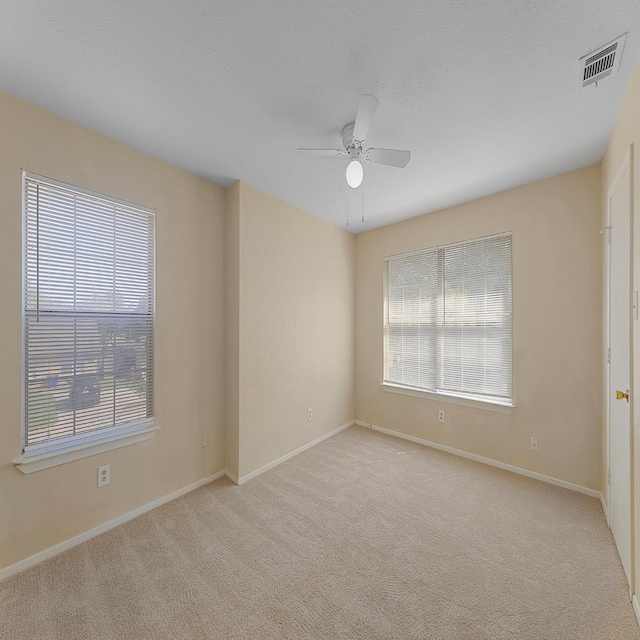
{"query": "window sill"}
(487, 404)
(36, 462)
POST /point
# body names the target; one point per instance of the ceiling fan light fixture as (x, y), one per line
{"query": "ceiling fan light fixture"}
(355, 173)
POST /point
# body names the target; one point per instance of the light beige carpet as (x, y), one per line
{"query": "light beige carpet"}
(364, 536)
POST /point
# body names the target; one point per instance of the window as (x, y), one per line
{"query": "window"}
(88, 318)
(447, 320)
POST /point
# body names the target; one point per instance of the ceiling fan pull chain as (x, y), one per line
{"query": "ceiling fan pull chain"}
(362, 204)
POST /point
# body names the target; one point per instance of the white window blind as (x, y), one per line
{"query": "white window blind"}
(88, 316)
(447, 325)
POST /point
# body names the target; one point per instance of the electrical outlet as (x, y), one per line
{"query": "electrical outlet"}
(440, 415)
(104, 475)
(533, 444)
(309, 414)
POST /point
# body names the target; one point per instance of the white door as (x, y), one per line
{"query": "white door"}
(620, 367)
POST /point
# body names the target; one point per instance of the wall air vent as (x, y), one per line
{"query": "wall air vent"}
(599, 64)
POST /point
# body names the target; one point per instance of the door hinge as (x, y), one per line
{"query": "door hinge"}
(609, 475)
(609, 355)
(607, 233)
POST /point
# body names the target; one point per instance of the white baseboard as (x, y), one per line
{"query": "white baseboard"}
(289, 455)
(21, 565)
(231, 477)
(494, 463)
(636, 607)
(366, 425)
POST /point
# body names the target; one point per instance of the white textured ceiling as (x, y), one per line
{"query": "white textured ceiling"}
(483, 92)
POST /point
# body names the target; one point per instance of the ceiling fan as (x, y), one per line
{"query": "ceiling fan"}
(353, 139)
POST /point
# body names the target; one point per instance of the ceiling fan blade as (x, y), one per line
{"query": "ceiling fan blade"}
(390, 157)
(334, 153)
(364, 117)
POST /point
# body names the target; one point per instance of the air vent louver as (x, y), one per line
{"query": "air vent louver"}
(597, 65)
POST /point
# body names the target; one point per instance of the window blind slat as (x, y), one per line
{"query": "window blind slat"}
(448, 318)
(89, 313)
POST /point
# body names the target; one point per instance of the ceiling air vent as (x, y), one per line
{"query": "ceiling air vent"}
(599, 64)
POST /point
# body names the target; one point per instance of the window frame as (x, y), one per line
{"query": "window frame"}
(42, 455)
(480, 401)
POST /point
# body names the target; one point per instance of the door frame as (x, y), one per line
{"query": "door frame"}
(625, 165)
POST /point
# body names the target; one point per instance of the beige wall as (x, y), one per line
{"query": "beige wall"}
(556, 328)
(625, 133)
(296, 325)
(46, 507)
